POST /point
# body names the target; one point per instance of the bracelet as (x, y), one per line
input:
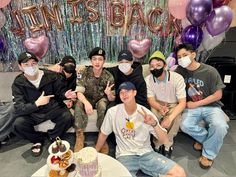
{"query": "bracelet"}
(154, 124)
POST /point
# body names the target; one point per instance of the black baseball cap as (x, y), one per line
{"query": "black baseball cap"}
(67, 59)
(125, 55)
(97, 51)
(26, 56)
(126, 86)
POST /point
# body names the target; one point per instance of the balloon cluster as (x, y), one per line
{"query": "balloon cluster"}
(204, 22)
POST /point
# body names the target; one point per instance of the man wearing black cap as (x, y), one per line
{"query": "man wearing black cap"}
(132, 125)
(94, 91)
(128, 70)
(37, 97)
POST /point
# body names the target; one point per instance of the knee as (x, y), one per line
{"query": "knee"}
(184, 126)
(18, 123)
(221, 127)
(177, 170)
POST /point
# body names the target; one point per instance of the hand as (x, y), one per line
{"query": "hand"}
(163, 110)
(43, 100)
(70, 94)
(108, 88)
(191, 105)
(148, 119)
(88, 108)
(69, 104)
(166, 122)
(56, 68)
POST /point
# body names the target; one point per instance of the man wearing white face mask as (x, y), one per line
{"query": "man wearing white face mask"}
(204, 91)
(167, 98)
(127, 70)
(38, 96)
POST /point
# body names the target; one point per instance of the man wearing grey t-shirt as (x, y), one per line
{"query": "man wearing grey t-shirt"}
(204, 91)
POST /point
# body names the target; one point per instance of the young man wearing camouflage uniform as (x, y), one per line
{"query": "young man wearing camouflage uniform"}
(94, 91)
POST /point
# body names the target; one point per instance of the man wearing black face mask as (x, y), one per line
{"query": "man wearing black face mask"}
(167, 98)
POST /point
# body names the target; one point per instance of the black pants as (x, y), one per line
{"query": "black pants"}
(24, 125)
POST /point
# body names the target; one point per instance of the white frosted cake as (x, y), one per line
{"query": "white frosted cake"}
(87, 162)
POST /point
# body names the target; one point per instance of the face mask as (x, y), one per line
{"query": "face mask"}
(157, 72)
(124, 67)
(184, 61)
(31, 70)
(69, 68)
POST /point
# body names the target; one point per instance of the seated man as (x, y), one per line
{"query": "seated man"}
(94, 91)
(132, 125)
(37, 97)
(167, 98)
(204, 91)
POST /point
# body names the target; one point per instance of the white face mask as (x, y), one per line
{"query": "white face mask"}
(31, 70)
(184, 61)
(124, 67)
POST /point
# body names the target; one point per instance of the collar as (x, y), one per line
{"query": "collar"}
(167, 77)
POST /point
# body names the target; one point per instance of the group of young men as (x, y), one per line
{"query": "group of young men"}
(130, 106)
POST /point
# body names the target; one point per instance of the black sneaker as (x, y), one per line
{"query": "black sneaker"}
(167, 153)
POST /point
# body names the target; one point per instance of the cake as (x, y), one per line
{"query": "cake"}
(87, 162)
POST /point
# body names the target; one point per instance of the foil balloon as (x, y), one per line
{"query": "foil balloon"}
(20, 29)
(3, 3)
(136, 14)
(139, 47)
(170, 61)
(38, 45)
(117, 18)
(153, 14)
(76, 18)
(93, 13)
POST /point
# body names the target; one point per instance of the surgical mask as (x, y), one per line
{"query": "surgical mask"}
(31, 70)
(184, 61)
(157, 72)
(69, 68)
(124, 67)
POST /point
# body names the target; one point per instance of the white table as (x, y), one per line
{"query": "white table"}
(110, 167)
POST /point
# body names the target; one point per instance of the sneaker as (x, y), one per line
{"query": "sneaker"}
(167, 152)
(197, 146)
(159, 149)
(205, 162)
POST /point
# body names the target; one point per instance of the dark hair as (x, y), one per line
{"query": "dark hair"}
(188, 47)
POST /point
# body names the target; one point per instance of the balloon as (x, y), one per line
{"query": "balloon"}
(210, 42)
(54, 16)
(154, 28)
(117, 17)
(20, 30)
(173, 68)
(178, 8)
(218, 3)
(192, 35)
(76, 17)
(173, 23)
(2, 19)
(177, 40)
(219, 20)
(139, 47)
(93, 13)
(31, 11)
(198, 11)
(185, 23)
(3, 3)
(37, 45)
(136, 7)
(170, 61)
(2, 43)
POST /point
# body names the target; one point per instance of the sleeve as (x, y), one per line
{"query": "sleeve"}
(180, 87)
(80, 87)
(141, 96)
(107, 127)
(21, 107)
(150, 92)
(216, 82)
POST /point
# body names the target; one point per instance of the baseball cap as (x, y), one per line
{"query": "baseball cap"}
(157, 55)
(67, 59)
(126, 86)
(125, 55)
(97, 51)
(26, 56)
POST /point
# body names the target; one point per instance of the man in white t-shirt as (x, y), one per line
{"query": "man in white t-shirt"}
(167, 98)
(132, 125)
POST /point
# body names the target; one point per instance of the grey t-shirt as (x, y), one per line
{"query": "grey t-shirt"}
(201, 83)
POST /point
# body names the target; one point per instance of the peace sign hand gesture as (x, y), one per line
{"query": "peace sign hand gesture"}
(108, 88)
(148, 119)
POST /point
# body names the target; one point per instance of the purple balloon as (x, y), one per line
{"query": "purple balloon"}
(197, 11)
(192, 35)
(219, 20)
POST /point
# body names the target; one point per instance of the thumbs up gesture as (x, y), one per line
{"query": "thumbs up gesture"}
(43, 100)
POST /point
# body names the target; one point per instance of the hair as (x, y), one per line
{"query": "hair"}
(188, 47)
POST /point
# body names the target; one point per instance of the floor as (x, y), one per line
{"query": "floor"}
(16, 159)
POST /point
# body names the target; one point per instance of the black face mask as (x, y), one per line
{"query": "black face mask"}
(157, 72)
(69, 68)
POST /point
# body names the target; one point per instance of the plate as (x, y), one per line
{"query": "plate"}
(59, 153)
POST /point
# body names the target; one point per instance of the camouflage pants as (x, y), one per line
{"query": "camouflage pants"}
(81, 118)
(174, 127)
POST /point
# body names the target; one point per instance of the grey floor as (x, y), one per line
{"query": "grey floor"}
(16, 159)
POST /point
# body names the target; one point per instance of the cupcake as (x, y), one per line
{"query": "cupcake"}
(55, 149)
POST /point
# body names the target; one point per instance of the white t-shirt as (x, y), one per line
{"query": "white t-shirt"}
(132, 134)
(169, 90)
(38, 80)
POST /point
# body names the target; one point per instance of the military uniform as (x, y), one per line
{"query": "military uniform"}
(93, 89)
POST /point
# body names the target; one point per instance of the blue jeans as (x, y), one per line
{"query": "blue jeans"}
(150, 163)
(212, 135)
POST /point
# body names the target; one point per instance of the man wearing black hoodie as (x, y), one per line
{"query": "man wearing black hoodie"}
(128, 70)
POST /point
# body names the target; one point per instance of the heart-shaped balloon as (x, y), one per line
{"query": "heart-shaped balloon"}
(37, 45)
(139, 47)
